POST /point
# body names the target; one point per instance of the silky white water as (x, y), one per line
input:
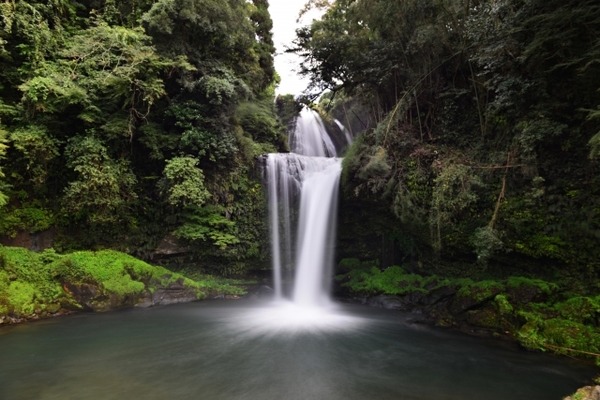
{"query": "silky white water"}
(344, 131)
(303, 195)
(310, 138)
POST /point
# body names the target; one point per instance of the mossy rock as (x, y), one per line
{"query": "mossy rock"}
(559, 336)
(496, 315)
(524, 290)
(584, 310)
(486, 318)
(475, 294)
(571, 335)
(43, 284)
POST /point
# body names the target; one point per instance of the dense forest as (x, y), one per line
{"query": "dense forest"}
(485, 119)
(124, 123)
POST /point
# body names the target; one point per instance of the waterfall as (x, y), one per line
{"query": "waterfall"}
(344, 131)
(310, 138)
(303, 192)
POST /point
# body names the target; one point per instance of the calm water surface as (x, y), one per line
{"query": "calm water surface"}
(249, 350)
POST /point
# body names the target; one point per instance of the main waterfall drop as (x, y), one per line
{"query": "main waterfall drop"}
(305, 184)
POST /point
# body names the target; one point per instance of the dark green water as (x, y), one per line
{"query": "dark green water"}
(245, 350)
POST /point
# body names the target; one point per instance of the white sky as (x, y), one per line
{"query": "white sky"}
(284, 14)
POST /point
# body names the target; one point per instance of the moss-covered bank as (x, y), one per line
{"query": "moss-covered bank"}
(39, 285)
(540, 315)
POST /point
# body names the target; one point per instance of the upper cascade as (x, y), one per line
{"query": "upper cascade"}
(347, 134)
(310, 138)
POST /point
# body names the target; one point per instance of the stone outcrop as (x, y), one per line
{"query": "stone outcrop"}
(91, 297)
(475, 311)
(586, 393)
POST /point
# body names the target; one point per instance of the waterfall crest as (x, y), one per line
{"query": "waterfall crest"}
(303, 195)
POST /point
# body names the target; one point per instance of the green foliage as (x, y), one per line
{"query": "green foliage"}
(200, 135)
(26, 282)
(486, 242)
(104, 187)
(460, 94)
(393, 280)
(21, 295)
(217, 284)
(208, 223)
(288, 109)
(32, 218)
(114, 271)
(453, 191)
(260, 122)
(184, 182)
(37, 149)
(118, 57)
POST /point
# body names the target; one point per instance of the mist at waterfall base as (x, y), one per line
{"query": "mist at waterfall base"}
(299, 346)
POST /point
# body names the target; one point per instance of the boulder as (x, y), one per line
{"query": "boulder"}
(586, 393)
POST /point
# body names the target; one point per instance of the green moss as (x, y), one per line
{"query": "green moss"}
(516, 282)
(558, 335)
(579, 309)
(481, 290)
(504, 307)
(29, 280)
(487, 318)
(21, 296)
(116, 272)
(571, 335)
